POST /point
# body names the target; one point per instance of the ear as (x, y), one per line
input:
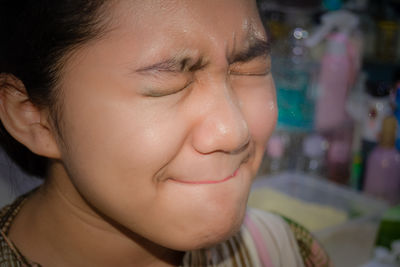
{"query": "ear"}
(27, 123)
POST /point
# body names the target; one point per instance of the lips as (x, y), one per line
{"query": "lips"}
(207, 181)
(243, 161)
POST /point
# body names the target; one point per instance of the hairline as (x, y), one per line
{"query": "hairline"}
(100, 27)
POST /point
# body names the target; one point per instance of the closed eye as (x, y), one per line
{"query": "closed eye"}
(243, 73)
(162, 93)
(252, 60)
(260, 66)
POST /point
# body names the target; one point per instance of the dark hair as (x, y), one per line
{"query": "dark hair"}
(36, 38)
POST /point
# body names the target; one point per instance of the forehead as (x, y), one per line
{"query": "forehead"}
(162, 28)
(176, 10)
(191, 19)
(142, 33)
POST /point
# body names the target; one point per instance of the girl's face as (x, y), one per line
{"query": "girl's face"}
(165, 118)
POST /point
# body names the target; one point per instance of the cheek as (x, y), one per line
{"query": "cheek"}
(122, 143)
(260, 109)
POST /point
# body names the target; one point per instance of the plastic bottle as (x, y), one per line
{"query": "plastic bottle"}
(356, 109)
(339, 68)
(294, 73)
(339, 154)
(376, 108)
(383, 167)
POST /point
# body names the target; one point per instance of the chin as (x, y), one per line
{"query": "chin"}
(200, 216)
(215, 228)
(223, 232)
(207, 239)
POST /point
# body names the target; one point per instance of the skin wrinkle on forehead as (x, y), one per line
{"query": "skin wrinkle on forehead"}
(257, 33)
(248, 28)
(254, 38)
(253, 34)
(194, 59)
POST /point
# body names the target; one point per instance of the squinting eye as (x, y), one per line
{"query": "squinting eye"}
(161, 93)
(240, 73)
(250, 69)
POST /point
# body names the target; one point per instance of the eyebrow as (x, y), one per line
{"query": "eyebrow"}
(180, 63)
(175, 64)
(256, 48)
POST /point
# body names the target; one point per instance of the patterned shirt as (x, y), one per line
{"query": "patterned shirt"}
(264, 240)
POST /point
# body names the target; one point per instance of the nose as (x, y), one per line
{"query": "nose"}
(222, 125)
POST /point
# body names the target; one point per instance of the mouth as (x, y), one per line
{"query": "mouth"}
(237, 172)
(205, 182)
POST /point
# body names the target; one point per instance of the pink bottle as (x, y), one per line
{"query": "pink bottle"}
(334, 82)
(383, 167)
(339, 67)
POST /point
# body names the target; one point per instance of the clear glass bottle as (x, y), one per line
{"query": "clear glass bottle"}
(294, 73)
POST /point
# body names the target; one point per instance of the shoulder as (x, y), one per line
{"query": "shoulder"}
(265, 239)
(7, 256)
(311, 251)
(274, 241)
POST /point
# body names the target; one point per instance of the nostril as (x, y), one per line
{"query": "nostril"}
(242, 147)
(221, 127)
(208, 137)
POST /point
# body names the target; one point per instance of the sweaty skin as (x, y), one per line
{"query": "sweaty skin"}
(164, 124)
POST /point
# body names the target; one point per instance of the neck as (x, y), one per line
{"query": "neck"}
(57, 227)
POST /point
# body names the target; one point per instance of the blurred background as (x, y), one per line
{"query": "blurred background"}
(333, 163)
